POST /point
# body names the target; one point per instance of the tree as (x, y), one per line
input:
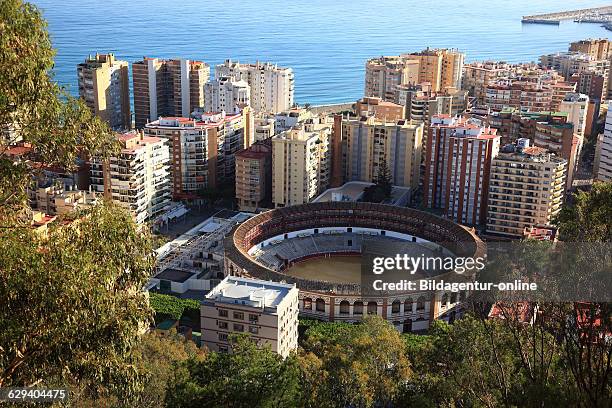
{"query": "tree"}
(381, 190)
(163, 359)
(588, 218)
(365, 367)
(71, 303)
(383, 178)
(475, 362)
(248, 377)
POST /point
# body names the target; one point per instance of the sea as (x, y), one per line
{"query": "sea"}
(326, 42)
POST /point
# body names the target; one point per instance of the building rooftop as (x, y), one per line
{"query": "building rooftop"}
(465, 126)
(353, 191)
(175, 275)
(249, 292)
(540, 233)
(207, 120)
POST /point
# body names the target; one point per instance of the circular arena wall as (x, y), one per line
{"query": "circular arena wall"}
(326, 300)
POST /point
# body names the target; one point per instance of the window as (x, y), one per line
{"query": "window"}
(238, 315)
(253, 318)
(307, 304)
(222, 336)
(408, 306)
(344, 307)
(222, 313)
(223, 349)
(421, 303)
(395, 306)
(222, 325)
(238, 327)
(253, 329)
(320, 305)
(358, 308)
(372, 308)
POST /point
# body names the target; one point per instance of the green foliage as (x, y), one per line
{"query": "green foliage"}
(72, 302)
(588, 219)
(163, 359)
(249, 377)
(172, 307)
(381, 190)
(360, 365)
(314, 331)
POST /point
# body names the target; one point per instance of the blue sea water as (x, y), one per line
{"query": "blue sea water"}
(326, 42)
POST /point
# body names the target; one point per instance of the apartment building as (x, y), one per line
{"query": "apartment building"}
(457, 162)
(599, 48)
(577, 64)
(369, 141)
(374, 106)
(559, 138)
(254, 176)
(523, 95)
(271, 86)
(576, 106)
(167, 88)
(104, 86)
(512, 124)
(526, 189)
(138, 178)
(202, 151)
(593, 84)
(421, 104)
(226, 95)
(478, 75)
(59, 198)
(442, 68)
(263, 127)
(604, 151)
(285, 120)
(301, 162)
(568, 63)
(384, 74)
(266, 311)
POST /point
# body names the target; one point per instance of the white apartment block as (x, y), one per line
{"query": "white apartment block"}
(369, 141)
(202, 150)
(271, 86)
(576, 106)
(265, 311)
(226, 95)
(138, 179)
(263, 128)
(604, 172)
(569, 63)
(526, 189)
(285, 120)
(301, 162)
(59, 198)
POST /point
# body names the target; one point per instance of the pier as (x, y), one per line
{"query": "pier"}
(601, 15)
